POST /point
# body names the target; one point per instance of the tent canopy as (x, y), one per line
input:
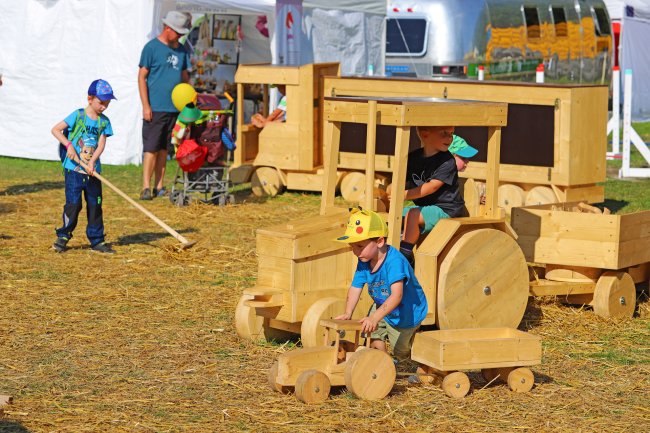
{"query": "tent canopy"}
(53, 49)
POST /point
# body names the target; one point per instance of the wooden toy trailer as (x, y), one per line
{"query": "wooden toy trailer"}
(553, 147)
(367, 373)
(500, 353)
(282, 154)
(472, 271)
(586, 258)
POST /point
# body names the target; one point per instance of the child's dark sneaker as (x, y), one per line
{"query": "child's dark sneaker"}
(103, 247)
(162, 192)
(60, 245)
(146, 194)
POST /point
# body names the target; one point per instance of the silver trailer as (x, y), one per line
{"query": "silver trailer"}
(509, 39)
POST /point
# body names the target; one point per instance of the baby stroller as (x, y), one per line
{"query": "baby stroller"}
(204, 148)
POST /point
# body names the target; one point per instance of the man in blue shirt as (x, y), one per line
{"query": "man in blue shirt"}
(164, 63)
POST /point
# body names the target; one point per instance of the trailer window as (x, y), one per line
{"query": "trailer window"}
(559, 21)
(532, 23)
(406, 36)
(602, 22)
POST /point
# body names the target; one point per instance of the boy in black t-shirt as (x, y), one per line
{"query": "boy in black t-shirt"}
(432, 184)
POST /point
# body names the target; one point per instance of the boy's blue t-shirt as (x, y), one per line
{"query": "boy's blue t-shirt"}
(413, 308)
(86, 143)
(165, 65)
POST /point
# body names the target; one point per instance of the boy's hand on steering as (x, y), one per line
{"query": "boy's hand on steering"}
(368, 325)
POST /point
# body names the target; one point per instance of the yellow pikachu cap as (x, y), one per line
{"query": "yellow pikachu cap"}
(362, 225)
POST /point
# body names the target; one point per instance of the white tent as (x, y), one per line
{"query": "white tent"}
(50, 51)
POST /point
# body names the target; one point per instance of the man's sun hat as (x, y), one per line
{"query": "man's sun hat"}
(362, 225)
(460, 147)
(177, 21)
(101, 89)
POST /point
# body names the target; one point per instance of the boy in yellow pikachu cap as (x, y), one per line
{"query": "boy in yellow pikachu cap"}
(400, 305)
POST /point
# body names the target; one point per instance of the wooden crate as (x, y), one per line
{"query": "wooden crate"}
(555, 134)
(472, 349)
(561, 237)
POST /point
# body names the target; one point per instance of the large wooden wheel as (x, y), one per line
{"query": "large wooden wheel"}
(456, 384)
(540, 195)
(370, 374)
(483, 282)
(353, 186)
(250, 326)
(311, 333)
(614, 295)
(521, 380)
(511, 196)
(266, 181)
(312, 386)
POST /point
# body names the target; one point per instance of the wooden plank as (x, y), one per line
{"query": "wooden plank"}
(402, 136)
(332, 141)
(357, 161)
(370, 153)
(275, 272)
(267, 74)
(586, 193)
(291, 364)
(492, 180)
(239, 151)
(309, 181)
(560, 288)
(344, 325)
(279, 146)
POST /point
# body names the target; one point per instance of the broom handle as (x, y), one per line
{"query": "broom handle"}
(137, 205)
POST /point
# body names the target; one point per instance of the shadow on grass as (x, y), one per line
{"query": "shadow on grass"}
(146, 238)
(33, 187)
(7, 208)
(613, 205)
(12, 427)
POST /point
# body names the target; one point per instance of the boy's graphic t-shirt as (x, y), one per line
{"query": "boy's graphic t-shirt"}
(413, 308)
(165, 65)
(86, 142)
(440, 166)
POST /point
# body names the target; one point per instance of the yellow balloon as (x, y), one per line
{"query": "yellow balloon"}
(182, 95)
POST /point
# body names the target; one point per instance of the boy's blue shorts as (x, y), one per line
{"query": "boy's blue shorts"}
(431, 215)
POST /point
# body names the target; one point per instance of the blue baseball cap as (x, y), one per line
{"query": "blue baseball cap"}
(101, 89)
(460, 147)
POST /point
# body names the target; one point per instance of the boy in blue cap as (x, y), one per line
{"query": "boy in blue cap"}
(88, 128)
(400, 305)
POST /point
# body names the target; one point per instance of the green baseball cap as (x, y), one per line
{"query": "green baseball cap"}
(460, 147)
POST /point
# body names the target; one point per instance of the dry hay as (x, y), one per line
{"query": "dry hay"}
(144, 340)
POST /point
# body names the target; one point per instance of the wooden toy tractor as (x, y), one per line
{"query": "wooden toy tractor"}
(472, 271)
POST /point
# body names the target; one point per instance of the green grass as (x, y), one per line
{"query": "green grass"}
(636, 159)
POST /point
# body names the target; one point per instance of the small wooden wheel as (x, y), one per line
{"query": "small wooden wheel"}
(521, 380)
(540, 195)
(266, 181)
(353, 186)
(312, 386)
(511, 196)
(272, 376)
(614, 295)
(456, 384)
(311, 333)
(370, 374)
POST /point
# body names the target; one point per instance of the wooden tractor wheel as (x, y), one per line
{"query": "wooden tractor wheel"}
(511, 196)
(250, 326)
(312, 386)
(353, 186)
(483, 282)
(266, 181)
(540, 195)
(272, 376)
(311, 333)
(614, 295)
(456, 384)
(370, 374)
(521, 380)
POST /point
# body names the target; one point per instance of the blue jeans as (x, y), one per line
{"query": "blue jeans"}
(75, 184)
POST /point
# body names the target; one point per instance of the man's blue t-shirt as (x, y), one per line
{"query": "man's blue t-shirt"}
(413, 308)
(86, 143)
(165, 65)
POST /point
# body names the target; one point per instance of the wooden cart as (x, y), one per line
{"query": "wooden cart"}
(500, 353)
(586, 258)
(367, 373)
(473, 273)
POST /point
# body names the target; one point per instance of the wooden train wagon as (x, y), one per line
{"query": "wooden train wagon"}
(586, 257)
(471, 269)
(553, 147)
(285, 154)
